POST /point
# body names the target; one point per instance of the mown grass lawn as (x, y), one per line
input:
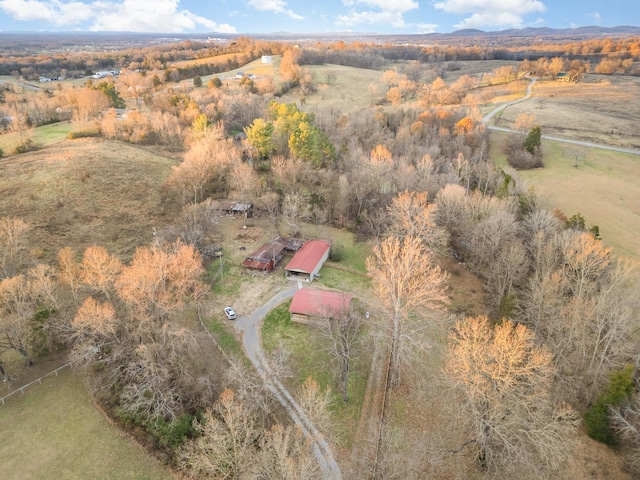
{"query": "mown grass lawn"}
(55, 432)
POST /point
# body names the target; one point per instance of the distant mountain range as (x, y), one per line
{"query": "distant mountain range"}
(459, 36)
(545, 31)
(568, 33)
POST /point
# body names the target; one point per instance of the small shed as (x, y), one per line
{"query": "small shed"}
(307, 262)
(266, 59)
(310, 305)
(236, 208)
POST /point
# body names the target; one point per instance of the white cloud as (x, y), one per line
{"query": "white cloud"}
(596, 16)
(370, 18)
(277, 6)
(425, 27)
(490, 13)
(385, 5)
(53, 11)
(105, 15)
(389, 12)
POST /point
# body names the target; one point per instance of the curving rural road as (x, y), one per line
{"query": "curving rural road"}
(250, 328)
(501, 107)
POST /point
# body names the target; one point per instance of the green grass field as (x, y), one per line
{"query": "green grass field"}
(55, 432)
(603, 186)
(310, 359)
(42, 136)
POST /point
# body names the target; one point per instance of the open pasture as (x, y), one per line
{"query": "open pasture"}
(603, 186)
(83, 192)
(602, 109)
(55, 432)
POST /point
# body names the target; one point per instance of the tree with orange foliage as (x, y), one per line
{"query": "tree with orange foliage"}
(505, 380)
(405, 280)
(159, 280)
(99, 269)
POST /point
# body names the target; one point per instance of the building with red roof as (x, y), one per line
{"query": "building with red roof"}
(307, 262)
(309, 305)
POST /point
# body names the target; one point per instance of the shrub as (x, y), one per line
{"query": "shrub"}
(24, 147)
(620, 388)
(83, 134)
(519, 158)
(336, 253)
(171, 435)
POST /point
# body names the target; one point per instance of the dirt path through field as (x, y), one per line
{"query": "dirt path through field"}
(250, 328)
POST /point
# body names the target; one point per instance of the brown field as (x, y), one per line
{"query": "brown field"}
(602, 109)
(349, 91)
(215, 60)
(83, 192)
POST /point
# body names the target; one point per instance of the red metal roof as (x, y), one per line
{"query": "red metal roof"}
(320, 303)
(306, 259)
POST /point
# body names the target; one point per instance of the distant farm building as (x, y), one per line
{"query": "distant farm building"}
(310, 305)
(236, 208)
(267, 256)
(266, 59)
(307, 262)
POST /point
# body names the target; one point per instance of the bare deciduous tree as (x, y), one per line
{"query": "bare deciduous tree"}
(159, 280)
(344, 335)
(286, 454)
(17, 306)
(404, 279)
(505, 380)
(225, 448)
(315, 403)
(13, 232)
(412, 215)
(100, 269)
(295, 208)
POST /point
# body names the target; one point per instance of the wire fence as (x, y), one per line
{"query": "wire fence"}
(37, 380)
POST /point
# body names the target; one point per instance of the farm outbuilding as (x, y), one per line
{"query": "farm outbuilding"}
(307, 262)
(236, 208)
(267, 256)
(310, 305)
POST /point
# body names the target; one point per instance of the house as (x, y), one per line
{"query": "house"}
(266, 59)
(308, 261)
(311, 306)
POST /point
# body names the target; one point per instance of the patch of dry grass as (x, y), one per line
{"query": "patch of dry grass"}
(215, 60)
(84, 192)
(348, 90)
(602, 109)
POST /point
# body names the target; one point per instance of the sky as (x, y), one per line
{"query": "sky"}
(303, 16)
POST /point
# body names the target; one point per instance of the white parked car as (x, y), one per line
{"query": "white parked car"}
(231, 315)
